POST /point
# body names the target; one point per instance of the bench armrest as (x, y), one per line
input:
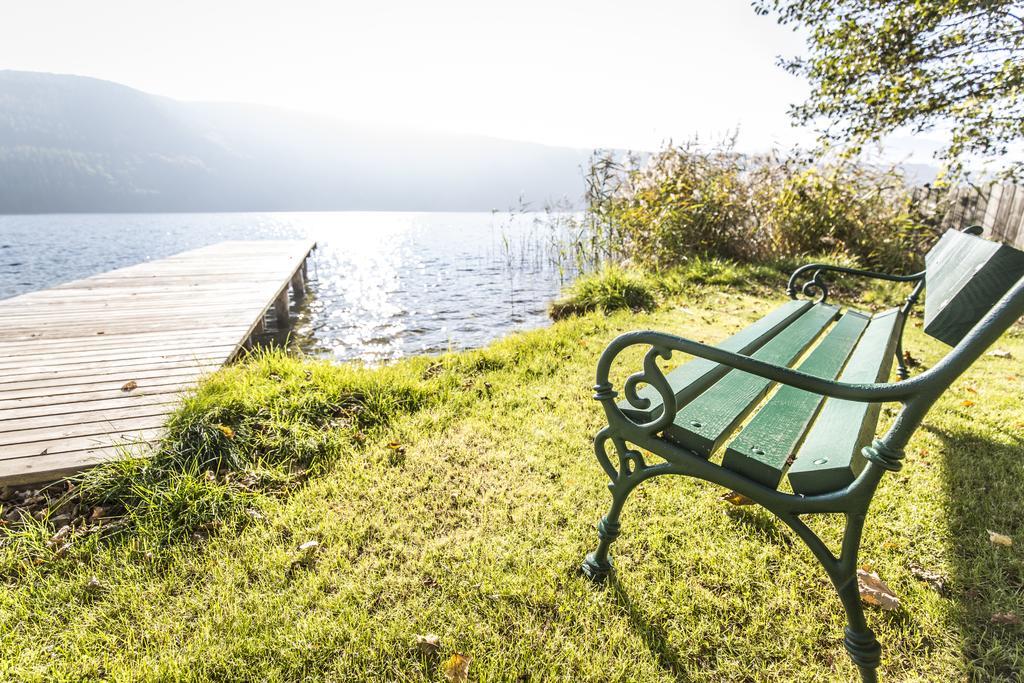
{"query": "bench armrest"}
(818, 286)
(663, 345)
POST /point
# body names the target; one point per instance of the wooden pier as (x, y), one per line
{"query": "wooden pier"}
(91, 368)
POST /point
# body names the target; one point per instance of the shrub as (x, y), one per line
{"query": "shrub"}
(850, 209)
(682, 203)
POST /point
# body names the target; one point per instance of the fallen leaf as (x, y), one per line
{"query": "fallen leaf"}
(396, 446)
(428, 644)
(966, 403)
(876, 592)
(61, 533)
(1000, 353)
(934, 579)
(997, 538)
(735, 498)
(1005, 618)
(98, 512)
(93, 585)
(306, 559)
(226, 431)
(456, 669)
(909, 360)
(131, 385)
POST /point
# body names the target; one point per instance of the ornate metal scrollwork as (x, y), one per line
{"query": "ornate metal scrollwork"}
(816, 288)
(630, 462)
(653, 376)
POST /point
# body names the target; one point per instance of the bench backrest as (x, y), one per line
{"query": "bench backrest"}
(965, 276)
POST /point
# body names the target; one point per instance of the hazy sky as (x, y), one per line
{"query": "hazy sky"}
(594, 73)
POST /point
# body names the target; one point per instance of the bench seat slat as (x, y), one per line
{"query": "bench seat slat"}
(829, 458)
(693, 377)
(704, 423)
(763, 448)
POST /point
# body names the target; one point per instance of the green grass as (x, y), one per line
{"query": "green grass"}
(457, 495)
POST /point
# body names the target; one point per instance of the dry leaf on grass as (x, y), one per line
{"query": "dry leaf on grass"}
(1000, 353)
(1005, 618)
(996, 538)
(876, 592)
(735, 498)
(933, 579)
(967, 403)
(226, 431)
(456, 669)
(428, 644)
(306, 558)
(130, 386)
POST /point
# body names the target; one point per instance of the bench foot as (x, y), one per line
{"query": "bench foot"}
(594, 569)
(597, 566)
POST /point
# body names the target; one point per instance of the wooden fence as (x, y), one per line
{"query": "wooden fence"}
(998, 208)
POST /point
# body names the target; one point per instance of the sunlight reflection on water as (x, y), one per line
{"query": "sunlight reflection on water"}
(384, 285)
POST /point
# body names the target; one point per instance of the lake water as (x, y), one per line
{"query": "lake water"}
(384, 285)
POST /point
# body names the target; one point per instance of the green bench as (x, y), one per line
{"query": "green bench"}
(708, 418)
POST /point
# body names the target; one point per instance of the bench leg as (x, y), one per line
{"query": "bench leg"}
(597, 565)
(631, 471)
(858, 638)
(901, 362)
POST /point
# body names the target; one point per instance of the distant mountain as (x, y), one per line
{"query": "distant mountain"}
(76, 144)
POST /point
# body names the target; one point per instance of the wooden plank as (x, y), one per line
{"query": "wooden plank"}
(1014, 218)
(165, 326)
(79, 363)
(991, 211)
(1003, 211)
(77, 443)
(106, 313)
(47, 408)
(82, 398)
(691, 378)
(966, 276)
(156, 407)
(26, 442)
(704, 423)
(62, 384)
(765, 445)
(830, 457)
(52, 466)
(125, 342)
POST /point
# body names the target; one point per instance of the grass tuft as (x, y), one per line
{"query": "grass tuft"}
(612, 288)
